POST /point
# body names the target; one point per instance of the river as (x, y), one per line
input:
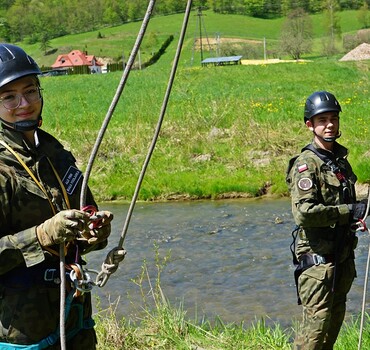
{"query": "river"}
(228, 258)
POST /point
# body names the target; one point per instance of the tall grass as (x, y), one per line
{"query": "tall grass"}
(165, 326)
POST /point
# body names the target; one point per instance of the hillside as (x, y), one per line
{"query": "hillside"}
(117, 42)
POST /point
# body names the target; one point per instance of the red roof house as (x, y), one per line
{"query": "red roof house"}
(78, 58)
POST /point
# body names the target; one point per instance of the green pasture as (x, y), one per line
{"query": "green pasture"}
(227, 130)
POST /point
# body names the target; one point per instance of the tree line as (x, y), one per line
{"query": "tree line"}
(42, 20)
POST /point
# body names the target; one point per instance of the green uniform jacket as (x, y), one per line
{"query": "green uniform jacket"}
(319, 202)
(29, 308)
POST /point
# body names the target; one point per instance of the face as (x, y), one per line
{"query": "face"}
(24, 89)
(324, 125)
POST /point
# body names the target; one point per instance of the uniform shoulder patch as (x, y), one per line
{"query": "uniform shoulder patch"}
(302, 167)
(305, 184)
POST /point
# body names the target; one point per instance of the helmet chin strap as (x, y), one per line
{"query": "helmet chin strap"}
(26, 125)
(329, 139)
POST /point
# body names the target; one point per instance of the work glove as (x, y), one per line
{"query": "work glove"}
(357, 210)
(99, 227)
(114, 257)
(64, 226)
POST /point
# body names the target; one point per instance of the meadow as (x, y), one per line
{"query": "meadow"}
(228, 131)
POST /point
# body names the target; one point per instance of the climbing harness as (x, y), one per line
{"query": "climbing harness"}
(52, 338)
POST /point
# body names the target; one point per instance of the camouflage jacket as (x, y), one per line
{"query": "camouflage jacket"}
(319, 201)
(23, 205)
(29, 294)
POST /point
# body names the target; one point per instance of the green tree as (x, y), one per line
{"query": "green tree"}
(296, 34)
(45, 44)
(364, 15)
(332, 26)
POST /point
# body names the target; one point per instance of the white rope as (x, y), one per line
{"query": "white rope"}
(102, 277)
(114, 102)
(366, 279)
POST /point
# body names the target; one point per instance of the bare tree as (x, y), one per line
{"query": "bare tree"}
(296, 34)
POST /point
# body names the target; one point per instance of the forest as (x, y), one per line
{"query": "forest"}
(42, 20)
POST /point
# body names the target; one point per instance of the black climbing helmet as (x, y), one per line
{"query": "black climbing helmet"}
(320, 102)
(15, 64)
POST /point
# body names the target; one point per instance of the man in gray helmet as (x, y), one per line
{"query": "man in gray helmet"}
(324, 206)
(39, 213)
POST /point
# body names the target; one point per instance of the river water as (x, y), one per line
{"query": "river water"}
(228, 258)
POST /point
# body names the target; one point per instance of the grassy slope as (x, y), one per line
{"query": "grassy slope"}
(119, 39)
(247, 119)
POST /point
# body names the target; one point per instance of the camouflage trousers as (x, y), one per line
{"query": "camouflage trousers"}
(323, 308)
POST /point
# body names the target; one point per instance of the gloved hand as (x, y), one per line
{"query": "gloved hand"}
(64, 226)
(357, 210)
(99, 227)
(114, 257)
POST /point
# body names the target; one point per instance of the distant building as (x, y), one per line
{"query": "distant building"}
(78, 58)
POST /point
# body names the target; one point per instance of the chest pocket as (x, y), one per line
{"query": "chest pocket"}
(29, 205)
(29, 187)
(331, 187)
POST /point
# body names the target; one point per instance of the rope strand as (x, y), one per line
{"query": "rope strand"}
(103, 277)
(114, 102)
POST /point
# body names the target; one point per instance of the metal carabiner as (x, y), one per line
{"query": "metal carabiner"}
(81, 279)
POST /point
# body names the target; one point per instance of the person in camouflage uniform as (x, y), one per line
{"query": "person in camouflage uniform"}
(324, 206)
(39, 200)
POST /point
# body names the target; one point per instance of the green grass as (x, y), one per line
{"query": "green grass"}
(227, 130)
(245, 121)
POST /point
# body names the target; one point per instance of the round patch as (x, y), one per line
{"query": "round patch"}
(305, 184)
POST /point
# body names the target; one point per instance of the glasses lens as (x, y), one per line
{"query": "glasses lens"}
(13, 101)
(33, 95)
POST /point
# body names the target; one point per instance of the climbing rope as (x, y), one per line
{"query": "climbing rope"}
(362, 227)
(105, 273)
(94, 152)
(115, 100)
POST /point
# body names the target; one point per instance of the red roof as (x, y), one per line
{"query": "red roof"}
(75, 58)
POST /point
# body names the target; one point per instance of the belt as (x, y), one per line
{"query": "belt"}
(27, 277)
(308, 260)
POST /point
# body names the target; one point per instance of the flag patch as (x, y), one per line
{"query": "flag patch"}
(302, 168)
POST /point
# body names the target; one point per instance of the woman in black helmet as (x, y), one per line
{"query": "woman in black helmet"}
(39, 210)
(322, 187)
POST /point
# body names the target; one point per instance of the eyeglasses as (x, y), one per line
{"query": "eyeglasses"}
(13, 101)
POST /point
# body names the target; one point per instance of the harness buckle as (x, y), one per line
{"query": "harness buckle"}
(318, 259)
(50, 275)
